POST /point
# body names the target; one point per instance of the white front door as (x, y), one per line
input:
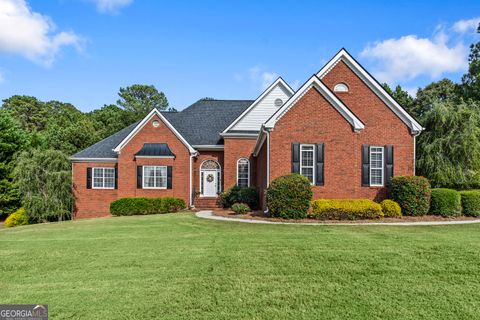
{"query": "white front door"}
(210, 183)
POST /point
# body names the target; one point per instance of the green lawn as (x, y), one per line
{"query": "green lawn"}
(177, 266)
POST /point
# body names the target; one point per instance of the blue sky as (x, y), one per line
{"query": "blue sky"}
(83, 51)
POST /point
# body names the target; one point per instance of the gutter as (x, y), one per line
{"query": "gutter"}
(267, 132)
(192, 155)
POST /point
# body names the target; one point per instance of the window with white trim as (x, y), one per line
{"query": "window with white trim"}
(307, 161)
(243, 172)
(103, 178)
(154, 177)
(340, 87)
(376, 166)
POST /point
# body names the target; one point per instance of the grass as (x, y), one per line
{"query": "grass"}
(177, 266)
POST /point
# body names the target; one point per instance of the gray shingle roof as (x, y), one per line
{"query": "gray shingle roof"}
(156, 150)
(200, 124)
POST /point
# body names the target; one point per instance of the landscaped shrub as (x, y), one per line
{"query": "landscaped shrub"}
(141, 206)
(345, 209)
(238, 194)
(445, 202)
(18, 218)
(412, 193)
(390, 208)
(471, 202)
(289, 197)
(240, 208)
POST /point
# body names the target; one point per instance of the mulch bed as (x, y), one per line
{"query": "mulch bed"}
(260, 215)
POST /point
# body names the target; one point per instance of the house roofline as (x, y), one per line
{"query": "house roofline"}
(142, 124)
(72, 159)
(279, 80)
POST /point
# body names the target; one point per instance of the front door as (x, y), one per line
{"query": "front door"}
(210, 183)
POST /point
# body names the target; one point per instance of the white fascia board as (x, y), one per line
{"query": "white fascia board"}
(143, 122)
(257, 101)
(93, 159)
(344, 56)
(316, 83)
(260, 140)
(208, 147)
(156, 157)
(239, 135)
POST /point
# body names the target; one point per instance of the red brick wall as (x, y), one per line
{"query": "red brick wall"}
(261, 172)
(94, 202)
(313, 120)
(90, 203)
(235, 149)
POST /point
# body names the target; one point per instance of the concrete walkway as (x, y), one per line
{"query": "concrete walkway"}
(211, 216)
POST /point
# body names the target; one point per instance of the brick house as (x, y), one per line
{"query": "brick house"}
(340, 129)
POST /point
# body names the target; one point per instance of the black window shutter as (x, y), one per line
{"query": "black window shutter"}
(388, 164)
(139, 177)
(319, 181)
(169, 177)
(295, 157)
(116, 176)
(89, 178)
(365, 165)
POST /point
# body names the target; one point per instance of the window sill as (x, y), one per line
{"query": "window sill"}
(155, 188)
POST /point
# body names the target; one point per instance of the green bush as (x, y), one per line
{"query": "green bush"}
(345, 209)
(289, 197)
(471, 202)
(142, 206)
(18, 218)
(238, 194)
(390, 208)
(412, 193)
(445, 202)
(240, 208)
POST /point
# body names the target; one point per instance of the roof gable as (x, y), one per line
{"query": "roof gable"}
(374, 85)
(263, 107)
(142, 123)
(315, 82)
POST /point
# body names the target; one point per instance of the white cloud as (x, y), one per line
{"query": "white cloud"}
(31, 34)
(464, 26)
(111, 6)
(264, 78)
(410, 56)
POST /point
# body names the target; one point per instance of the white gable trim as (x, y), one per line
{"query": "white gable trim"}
(264, 93)
(316, 83)
(373, 84)
(142, 124)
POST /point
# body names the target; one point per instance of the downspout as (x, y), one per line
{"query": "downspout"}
(268, 154)
(414, 153)
(191, 183)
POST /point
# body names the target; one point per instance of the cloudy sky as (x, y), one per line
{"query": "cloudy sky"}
(83, 51)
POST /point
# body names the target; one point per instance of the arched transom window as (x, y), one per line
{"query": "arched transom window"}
(243, 172)
(211, 165)
(340, 87)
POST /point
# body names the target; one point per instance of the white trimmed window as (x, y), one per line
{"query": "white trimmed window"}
(307, 161)
(376, 166)
(340, 87)
(243, 172)
(154, 177)
(103, 178)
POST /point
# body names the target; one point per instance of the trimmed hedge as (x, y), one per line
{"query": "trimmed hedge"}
(390, 208)
(345, 209)
(238, 194)
(289, 197)
(240, 208)
(143, 206)
(471, 202)
(412, 193)
(17, 218)
(445, 202)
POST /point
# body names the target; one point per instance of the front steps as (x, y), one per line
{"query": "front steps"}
(207, 203)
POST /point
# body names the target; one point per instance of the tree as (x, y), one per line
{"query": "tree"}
(12, 139)
(140, 99)
(470, 87)
(109, 119)
(449, 148)
(44, 181)
(402, 97)
(31, 113)
(440, 91)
